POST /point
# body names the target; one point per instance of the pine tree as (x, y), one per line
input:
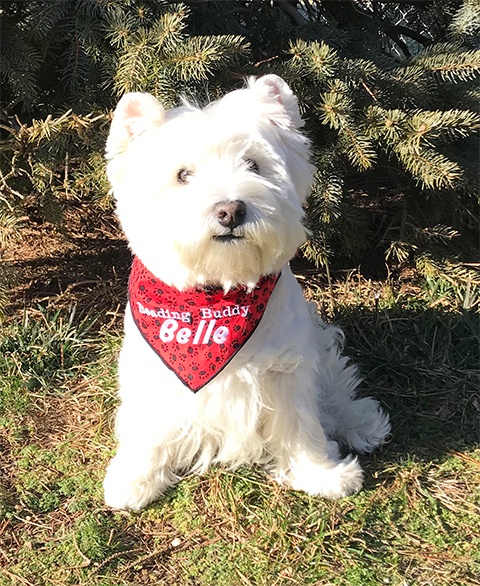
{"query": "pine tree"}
(388, 90)
(93, 53)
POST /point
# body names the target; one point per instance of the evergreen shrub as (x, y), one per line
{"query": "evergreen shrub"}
(389, 92)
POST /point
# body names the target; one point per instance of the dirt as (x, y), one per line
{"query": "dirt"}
(86, 264)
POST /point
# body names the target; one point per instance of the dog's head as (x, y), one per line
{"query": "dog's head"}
(211, 196)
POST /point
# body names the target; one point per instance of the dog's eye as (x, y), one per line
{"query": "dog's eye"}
(183, 176)
(252, 166)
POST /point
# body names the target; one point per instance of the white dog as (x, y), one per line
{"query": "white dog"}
(223, 360)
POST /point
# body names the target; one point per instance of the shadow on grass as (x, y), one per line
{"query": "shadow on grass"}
(423, 364)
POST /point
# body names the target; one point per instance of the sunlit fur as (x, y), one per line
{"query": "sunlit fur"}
(288, 396)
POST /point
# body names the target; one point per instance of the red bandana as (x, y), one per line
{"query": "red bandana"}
(198, 331)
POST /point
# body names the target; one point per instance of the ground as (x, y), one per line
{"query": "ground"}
(415, 522)
(88, 266)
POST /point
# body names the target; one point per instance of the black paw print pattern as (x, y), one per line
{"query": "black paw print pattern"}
(195, 332)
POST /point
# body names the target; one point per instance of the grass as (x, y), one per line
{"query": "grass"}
(416, 522)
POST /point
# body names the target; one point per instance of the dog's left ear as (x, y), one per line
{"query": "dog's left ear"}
(278, 101)
(134, 114)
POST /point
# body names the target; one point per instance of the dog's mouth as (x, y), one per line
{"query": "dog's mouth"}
(227, 237)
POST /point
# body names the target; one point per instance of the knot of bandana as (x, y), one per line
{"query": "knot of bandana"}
(195, 332)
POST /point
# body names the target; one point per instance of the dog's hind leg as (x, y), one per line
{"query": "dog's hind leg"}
(303, 457)
(359, 423)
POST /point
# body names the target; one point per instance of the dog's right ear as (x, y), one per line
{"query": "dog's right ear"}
(134, 113)
(279, 104)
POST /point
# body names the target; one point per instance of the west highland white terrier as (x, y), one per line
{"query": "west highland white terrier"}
(223, 359)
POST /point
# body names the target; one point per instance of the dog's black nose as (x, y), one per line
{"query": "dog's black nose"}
(231, 214)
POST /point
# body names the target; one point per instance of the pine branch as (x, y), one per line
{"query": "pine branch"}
(466, 22)
(324, 204)
(411, 85)
(400, 251)
(168, 30)
(9, 225)
(120, 25)
(451, 270)
(316, 249)
(431, 169)
(19, 64)
(67, 123)
(318, 59)
(438, 233)
(409, 136)
(133, 65)
(196, 57)
(451, 124)
(336, 109)
(449, 61)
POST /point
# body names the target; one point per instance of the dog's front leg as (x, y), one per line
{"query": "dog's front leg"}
(304, 458)
(134, 478)
(140, 472)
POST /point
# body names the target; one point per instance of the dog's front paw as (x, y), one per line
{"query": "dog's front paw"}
(335, 482)
(122, 491)
(125, 488)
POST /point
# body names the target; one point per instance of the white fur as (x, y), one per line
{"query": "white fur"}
(288, 396)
